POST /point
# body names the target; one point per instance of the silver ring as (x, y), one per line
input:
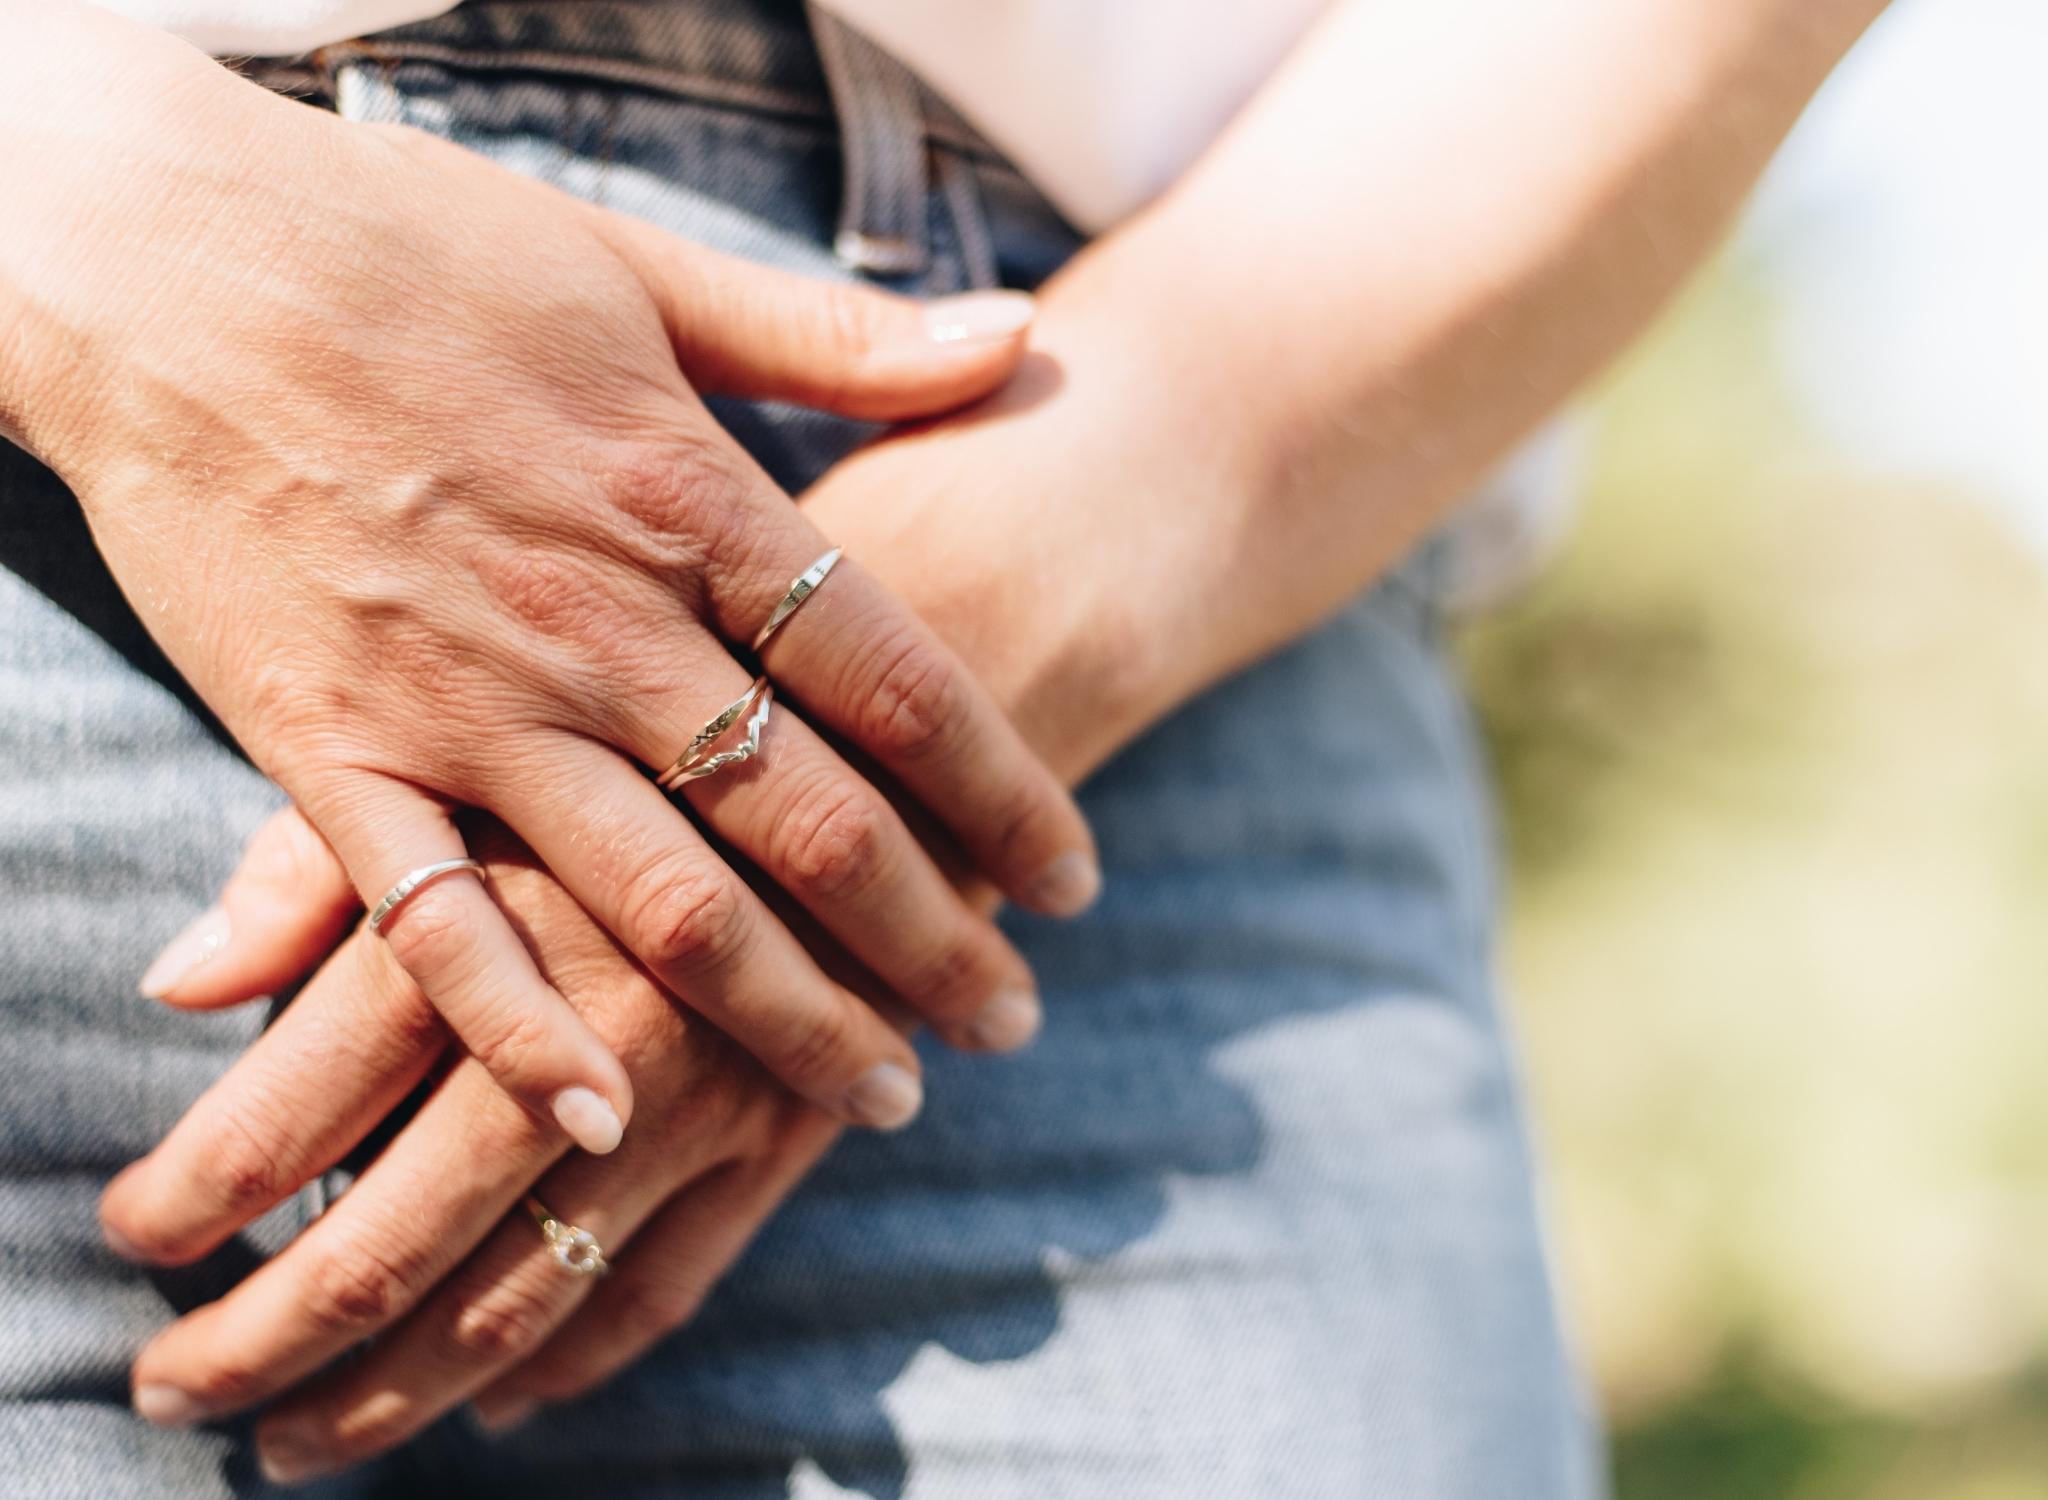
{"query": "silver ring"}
(575, 1250)
(801, 589)
(697, 760)
(399, 894)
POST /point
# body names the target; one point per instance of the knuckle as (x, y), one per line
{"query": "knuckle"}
(690, 493)
(657, 1304)
(503, 1326)
(685, 921)
(849, 328)
(358, 1287)
(918, 706)
(433, 934)
(227, 1381)
(814, 1046)
(517, 1048)
(835, 841)
(954, 976)
(250, 1163)
(1024, 816)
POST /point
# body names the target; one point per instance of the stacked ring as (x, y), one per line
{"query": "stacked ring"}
(698, 760)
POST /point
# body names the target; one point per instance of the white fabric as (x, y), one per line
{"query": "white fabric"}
(274, 28)
(1102, 103)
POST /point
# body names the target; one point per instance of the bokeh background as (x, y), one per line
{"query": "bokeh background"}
(1773, 741)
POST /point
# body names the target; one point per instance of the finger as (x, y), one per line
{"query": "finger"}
(451, 936)
(675, 1262)
(441, 1186)
(489, 1315)
(746, 330)
(823, 834)
(865, 667)
(448, 1179)
(612, 839)
(283, 910)
(336, 1062)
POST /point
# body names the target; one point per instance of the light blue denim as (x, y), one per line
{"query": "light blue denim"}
(1253, 1220)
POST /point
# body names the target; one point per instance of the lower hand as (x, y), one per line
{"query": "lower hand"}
(432, 1252)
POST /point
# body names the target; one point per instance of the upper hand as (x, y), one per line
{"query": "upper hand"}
(402, 458)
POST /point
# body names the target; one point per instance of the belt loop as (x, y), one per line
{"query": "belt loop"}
(880, 104)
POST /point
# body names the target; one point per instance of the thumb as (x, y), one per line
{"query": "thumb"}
(745, 330)
(285, 906)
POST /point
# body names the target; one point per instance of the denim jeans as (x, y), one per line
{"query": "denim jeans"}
(1255, 1216)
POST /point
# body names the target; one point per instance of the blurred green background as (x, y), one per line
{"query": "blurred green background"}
(1773, 745)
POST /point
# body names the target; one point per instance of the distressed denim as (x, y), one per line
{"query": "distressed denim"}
(1254, 1219)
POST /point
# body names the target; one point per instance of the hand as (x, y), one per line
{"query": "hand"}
(430, 1250)
(396, 453)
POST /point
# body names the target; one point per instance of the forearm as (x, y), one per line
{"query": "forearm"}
(1434, 226)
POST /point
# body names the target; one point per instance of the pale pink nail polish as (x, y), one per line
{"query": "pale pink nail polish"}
(886, 1097)
(1006, 1023)
(166, 1406)
(503, 1413)
(287, 1457)
(197, 944)
(1066, 887)
(591, 1123)
(978, 317)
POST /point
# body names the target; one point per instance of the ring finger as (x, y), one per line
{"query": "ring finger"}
(822, 832)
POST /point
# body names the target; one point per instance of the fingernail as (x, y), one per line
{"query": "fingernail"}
(286, 1457)
(1006, 1022)
(127, 1249)
(185, 952)
(591, 1123)
(1066, 887)
(978, 317)
(887, 1097)
(166, 1406)
(503, 1413)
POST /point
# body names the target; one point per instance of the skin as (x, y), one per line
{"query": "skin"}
(1116, 557)
(402, 458)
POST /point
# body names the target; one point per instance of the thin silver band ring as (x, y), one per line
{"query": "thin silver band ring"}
(399, 894)
(805, 585)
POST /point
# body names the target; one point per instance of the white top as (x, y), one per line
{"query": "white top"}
(1102, 103)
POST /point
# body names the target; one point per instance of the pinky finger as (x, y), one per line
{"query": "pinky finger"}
(676, 1261)
(280, 913)
(469, 962)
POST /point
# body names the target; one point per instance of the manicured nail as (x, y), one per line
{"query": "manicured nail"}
(591, 1123)
(979, 317)
(127, 1249)
(1006, 1022)
(166, 1406)
(887, 1097)
(503, 1413)
(1066, 887)
(185, 952)
(286, 1457)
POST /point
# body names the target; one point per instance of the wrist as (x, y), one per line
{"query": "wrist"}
(101, 121)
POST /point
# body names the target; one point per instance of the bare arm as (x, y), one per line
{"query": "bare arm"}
(1427, 231)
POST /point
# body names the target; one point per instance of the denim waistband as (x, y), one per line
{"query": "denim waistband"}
(780, 57)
